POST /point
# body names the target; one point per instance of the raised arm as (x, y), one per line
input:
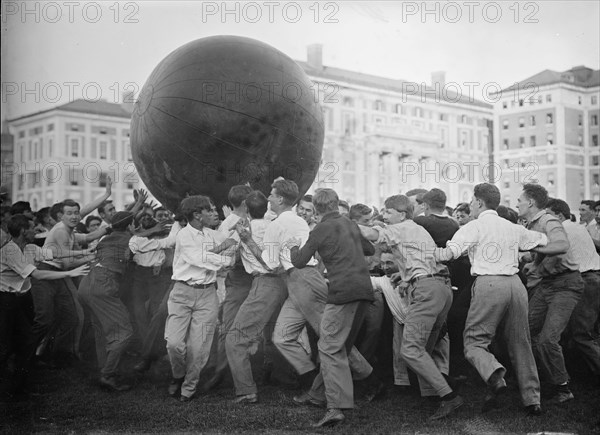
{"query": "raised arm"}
(88, 208)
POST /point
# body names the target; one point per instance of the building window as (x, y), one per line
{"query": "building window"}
(50, 143)
(580, 120)
(595, 160)
(443, 117)
(21, 134)
(595, 140)
(550, 179)
(579, 100)
(549, 118)
(418, 112)
(74, 148)
(520, 103)
(594, 99)
(347, 101)
(596, 180)
(548, 98)
(549, 139)
(504, 105)
(521, 142)
(594, 120)
(379, 106)
(505, 144)
(521, 122)
(532, 141)
(532, 120)
(580, 140)
(551, 159)
(505, 124)
(506, 184)
(397, 108)
(50, 127)
(540, 100)
(103, 150)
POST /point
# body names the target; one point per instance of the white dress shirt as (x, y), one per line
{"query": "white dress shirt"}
(276, 251)
(150, 252)
(192, 261)
(493, 244)
(398, 305)
(14, 269)
(258, 228)
(582, 246)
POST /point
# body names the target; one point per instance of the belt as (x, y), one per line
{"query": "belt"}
(199, 286)
(430, 275)
(272, 275)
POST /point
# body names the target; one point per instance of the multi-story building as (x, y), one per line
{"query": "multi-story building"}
(386, 136)
(7, 164)
(546, 130)
(70, 150)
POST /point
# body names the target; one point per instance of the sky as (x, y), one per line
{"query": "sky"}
(56, 51)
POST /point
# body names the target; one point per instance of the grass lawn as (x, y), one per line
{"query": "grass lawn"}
(69, 401)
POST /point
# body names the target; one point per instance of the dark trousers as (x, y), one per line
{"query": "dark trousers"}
(55, 312)
(550, 308)
(584, 319)
(237, 285)
(15, 330)
(147, 292)
(154, 344)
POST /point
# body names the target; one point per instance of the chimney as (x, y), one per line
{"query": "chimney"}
(128, 101)
(315, 56)
(438, 77)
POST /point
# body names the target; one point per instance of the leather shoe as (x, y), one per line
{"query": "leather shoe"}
(305, 399)
(332, 417)
(112, 383)
(247, 398)
(185, 399)
(375, 392)
(175, 387)
(447, 407)
(143, 366)
(533, 410)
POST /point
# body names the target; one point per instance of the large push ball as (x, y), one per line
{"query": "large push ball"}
(222, 111)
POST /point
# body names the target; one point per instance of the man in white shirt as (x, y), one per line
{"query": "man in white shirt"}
(586, 312)
(266, 296)
(150, 279)
(15, 283)
(499, 297)
(237, 283)
(398, 305)
(193, 304)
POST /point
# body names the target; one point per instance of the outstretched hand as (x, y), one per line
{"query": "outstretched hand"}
(80, 271)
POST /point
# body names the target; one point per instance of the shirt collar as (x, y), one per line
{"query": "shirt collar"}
(538, 215)
(330, 215)
(490, 212)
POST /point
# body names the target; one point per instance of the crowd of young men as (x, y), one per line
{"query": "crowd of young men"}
(314, 279)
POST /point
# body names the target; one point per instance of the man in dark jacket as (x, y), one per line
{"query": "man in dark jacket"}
(342, 248)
